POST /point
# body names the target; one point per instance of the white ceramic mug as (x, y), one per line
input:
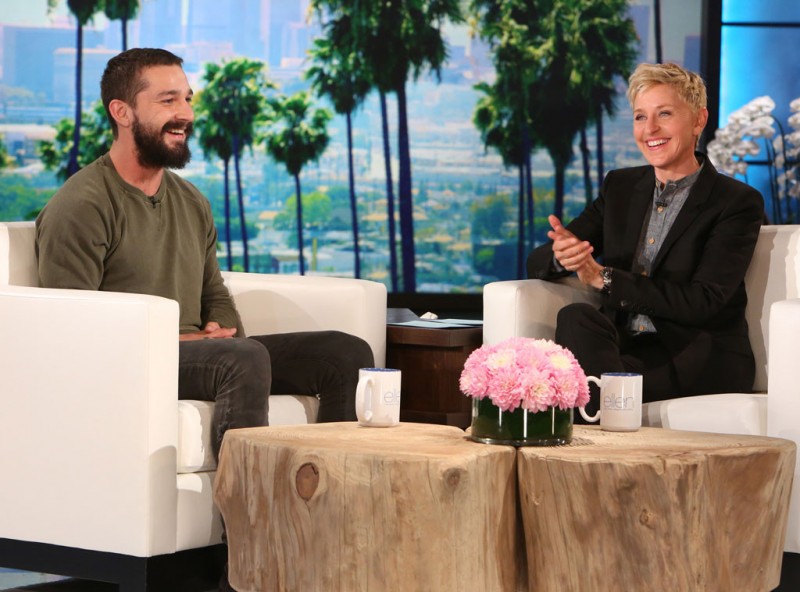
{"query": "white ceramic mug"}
(620, 402)
(378, 397)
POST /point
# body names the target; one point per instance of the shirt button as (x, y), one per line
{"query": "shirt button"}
(641, 327)
(651, 241)
(644, 273)
(660, 209)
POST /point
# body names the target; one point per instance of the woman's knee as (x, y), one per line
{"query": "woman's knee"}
(577, 313)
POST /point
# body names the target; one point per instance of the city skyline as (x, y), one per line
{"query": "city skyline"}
(452, 170)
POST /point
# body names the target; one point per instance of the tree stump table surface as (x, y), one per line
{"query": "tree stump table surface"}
(659, 510)
(340, 507)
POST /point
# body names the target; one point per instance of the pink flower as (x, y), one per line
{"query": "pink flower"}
(534, 374)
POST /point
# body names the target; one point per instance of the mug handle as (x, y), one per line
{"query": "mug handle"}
(361, 399)
(582, 410)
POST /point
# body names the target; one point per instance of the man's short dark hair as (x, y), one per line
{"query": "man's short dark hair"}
(123, 80)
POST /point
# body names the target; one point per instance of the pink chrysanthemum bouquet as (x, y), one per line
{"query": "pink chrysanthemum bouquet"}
(534, 374)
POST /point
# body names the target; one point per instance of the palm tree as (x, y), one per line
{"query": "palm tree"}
(361, 14)
(235, 100)
(95, 140)
(419, 45)
(123, 11)
(390, 215)
(84, 11)
(399, 39)
(610, 54)
(500, 128)
(295, 135)
(657, 30)
(338, 73)
(215, 140)
(564, 65)
(516, 65)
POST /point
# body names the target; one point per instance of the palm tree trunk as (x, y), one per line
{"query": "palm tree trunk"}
(124, 23)
(521, 222)
(530, 203)
(240, 199)
(387, 158)
(300, 258)
(72, 163)
(587, 171)
(657, 28)
(526, 156)
(353, 205)
(405, 199)
(558, 205)
(226, 169)
(599, 130)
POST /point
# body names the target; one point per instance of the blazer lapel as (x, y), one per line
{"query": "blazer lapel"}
(698, 195)
(640, 200)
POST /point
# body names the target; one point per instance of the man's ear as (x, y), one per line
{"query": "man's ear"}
(121, 112)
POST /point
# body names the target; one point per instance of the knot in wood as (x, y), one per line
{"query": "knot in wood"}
(307, 480)
(453, 477)
(646, 519)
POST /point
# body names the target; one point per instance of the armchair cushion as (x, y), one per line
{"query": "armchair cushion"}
(731, 413)
(195, 432)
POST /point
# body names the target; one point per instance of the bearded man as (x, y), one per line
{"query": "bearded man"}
(125, 223)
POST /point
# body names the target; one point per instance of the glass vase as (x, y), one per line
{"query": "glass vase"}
(491, 425)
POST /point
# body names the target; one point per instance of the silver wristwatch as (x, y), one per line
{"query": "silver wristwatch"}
(606, 273)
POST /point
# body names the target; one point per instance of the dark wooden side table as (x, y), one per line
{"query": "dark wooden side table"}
(431, 361)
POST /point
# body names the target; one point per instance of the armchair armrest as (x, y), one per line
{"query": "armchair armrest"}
(88, 395)
(783, 402)
(271, 303)
(528, 308)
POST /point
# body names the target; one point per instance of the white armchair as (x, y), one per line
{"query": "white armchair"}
(105, 474)
(528, 308)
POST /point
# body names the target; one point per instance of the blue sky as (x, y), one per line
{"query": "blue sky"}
(29, 12)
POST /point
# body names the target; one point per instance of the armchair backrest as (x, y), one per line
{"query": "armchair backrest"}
(18, 265)
(773, 275)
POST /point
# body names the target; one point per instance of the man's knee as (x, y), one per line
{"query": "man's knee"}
(353, 351)
(246, 355)
(246, 349)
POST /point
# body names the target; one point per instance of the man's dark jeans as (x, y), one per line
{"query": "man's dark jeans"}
(239, 374)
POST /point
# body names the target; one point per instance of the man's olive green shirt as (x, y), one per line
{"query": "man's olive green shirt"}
(100, 233)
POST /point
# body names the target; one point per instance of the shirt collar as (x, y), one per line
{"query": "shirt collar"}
(683, 182)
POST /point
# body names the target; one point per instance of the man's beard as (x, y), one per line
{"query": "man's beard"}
(153, 151)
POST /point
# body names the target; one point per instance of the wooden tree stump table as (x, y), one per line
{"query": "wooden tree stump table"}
(658, 510)
(339, 507)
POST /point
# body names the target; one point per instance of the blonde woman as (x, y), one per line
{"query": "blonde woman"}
(668, 245)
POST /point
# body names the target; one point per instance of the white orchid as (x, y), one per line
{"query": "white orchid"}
(763, 104)
(760, 127)
(741, 137)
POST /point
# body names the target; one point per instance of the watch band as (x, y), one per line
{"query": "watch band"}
(607, 275)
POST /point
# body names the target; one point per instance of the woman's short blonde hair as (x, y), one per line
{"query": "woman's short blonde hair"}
(689, 86)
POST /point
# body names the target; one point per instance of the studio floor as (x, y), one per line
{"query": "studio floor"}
(21, 581)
